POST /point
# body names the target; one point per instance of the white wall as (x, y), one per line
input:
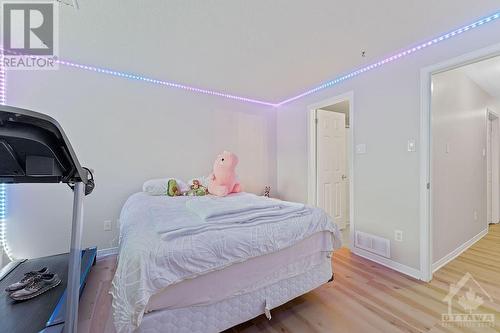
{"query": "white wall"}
(458, 169)
(128, 131)
(386, 115)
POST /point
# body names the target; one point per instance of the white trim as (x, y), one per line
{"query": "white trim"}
(425, 142)
(493, 145)
(107, 252)
(458, 251)
(312, 149)
(407, 270)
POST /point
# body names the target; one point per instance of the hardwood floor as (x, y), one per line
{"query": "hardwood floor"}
(365, 297)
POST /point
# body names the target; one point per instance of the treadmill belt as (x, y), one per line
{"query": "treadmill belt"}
(32, 315)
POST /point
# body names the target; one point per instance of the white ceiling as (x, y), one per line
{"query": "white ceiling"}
(263, 49)
(486, 74)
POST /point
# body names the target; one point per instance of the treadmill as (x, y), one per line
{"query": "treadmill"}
(34, 149)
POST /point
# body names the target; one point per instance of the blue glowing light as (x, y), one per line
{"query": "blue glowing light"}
(394, 57)
(325, 85)
(3, 187)
(328, 84)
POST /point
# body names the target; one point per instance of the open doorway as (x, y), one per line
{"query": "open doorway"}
(331, 161)
(461, 101)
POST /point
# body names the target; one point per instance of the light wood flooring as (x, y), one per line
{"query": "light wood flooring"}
(365, 297)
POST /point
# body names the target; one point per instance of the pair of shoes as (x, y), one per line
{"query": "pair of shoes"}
(33, 284)
(26, 280)
(39, 285)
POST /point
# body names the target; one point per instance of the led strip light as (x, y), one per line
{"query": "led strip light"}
(328, 84)
(3, 220)
(325, 85)
(3, 187)
(394, 57)
(161, 82)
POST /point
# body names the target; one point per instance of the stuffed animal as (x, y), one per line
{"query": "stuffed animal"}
(196, 189)
(173, 189)
(267, 191)
(222, 180)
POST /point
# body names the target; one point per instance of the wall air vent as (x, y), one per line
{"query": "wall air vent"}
(373, 244)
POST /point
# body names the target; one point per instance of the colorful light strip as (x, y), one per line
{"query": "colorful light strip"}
(325, 85)
(392, 58)
(3, 220)
(3, 78)
(3, 187)
(161, 82)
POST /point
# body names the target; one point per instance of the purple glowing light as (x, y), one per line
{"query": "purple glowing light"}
(325, 85)
(397, 56)
(3, 81)
(163, 83)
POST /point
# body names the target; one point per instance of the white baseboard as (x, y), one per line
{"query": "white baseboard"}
(458, 251)
(407, 270)
(107, 252)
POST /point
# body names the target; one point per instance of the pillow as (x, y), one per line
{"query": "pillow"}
(160, 186)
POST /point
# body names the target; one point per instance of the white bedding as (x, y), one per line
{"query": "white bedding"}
(149, 263)
(208, 213)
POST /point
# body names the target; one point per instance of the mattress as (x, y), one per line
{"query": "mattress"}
(232, 311)
(244, 277)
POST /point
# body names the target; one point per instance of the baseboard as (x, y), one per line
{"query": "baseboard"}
(458, 251)
(406, 270)
(107, 252)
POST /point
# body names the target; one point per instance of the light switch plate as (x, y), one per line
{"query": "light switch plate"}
(361, 148)
(107, 225)
(412, 145)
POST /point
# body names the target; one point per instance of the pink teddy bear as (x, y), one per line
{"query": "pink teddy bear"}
(223, 179)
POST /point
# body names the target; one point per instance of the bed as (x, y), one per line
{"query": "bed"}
(180, 271)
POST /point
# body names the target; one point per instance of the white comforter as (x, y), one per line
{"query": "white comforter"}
(210, 213)
(153, 255)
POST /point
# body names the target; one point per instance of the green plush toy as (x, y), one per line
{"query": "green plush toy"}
(196, 189)
(173, 188)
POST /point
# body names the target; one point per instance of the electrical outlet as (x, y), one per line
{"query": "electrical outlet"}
(361, 148)
(398, 235)
(475, 215)
(107, 225)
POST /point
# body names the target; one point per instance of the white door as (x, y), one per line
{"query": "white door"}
(331, 164)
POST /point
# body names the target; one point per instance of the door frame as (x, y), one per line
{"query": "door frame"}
(426, 142)
(312, 177)
(493, 119)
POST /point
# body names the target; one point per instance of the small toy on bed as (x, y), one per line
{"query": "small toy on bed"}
(173, 188)
(223, 178)
(196, 189)
(267, 191)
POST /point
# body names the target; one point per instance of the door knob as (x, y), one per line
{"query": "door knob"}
(344, 177)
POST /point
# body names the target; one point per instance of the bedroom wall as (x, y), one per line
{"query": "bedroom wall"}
(459, 208)
(128, 131)
(386, 115)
